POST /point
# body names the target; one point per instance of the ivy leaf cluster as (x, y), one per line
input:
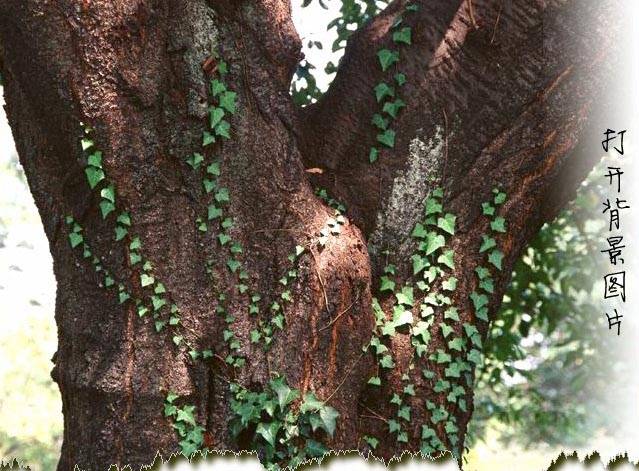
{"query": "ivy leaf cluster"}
(184, 422)
(108, 279)
(334, 224)
(495, 257)
(387, 92)
(284, 430)
(155, 300)
(266, 329)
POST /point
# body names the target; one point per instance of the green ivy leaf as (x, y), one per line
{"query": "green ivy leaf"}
(285, 395)
(195, 160)
(207, 139)
(375, 381)
(123, 296)
(95, 159)
(496, 257)
(120, 232)
(278, 321)
(223, 129)
(94, 176)
(372, 441)
(500, 197)
(453, 371)
(482, 314)
(108, 193)
(405, 297)
(213, 169)
(106, 208)
(404, 413)
(428, 433)
(447, 259)
(475, 356)
(268, 431)
(487, 243)
(428, 374)
(451, 427)
(227, 101)
(222, 195)
(470, 330)
(387, 58)
(214, 212)
(482, 272)
(386, 362)
(233, 265)
(434, 241)
(86, 143)
(313, 449)
(394, 426)
(439, 415)
(135, 244)
(488, 209)
(401, 316)
(440, 386)
(451, 313)
(387, 138)
(386, 284)
(446, 330)
(400, 79)
(498, 224)
(419, 232)
(124, 219)
(403, 35)
(479, 300)
(329, 416)
(432, 206)
(373, 155)
(75, 239)
(450, 284)
(382, 90)
(310, 403)
(447, 223)
(217, 87)
(146, 280)
(419, 263)
(215, 116)
(421, 330)
(456, 344)
(379, 121)
(392, 107)
(142, 310)
(487, 285)
(158, 302)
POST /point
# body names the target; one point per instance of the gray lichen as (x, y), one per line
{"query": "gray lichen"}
(410, 187)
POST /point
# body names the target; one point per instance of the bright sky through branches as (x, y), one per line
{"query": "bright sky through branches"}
(311, 26)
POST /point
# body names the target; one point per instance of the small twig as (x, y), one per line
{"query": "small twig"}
(496, 23)
(320, 279)
(338, 316)
(348, 373)
(471, 13)
(375, 414)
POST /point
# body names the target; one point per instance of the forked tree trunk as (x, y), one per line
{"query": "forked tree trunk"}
(498, 95)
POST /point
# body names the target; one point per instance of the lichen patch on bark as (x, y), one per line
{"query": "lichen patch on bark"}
(409, 189)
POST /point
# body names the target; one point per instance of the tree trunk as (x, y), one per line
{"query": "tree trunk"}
(497, 96)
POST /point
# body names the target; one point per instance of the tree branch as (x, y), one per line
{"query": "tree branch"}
(489, 98)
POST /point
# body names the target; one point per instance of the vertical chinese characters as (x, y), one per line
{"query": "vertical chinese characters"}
(614, 207)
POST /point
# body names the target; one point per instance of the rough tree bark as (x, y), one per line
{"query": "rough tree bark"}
(498, 94)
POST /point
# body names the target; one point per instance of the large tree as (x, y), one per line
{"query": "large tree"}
(208, 296)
